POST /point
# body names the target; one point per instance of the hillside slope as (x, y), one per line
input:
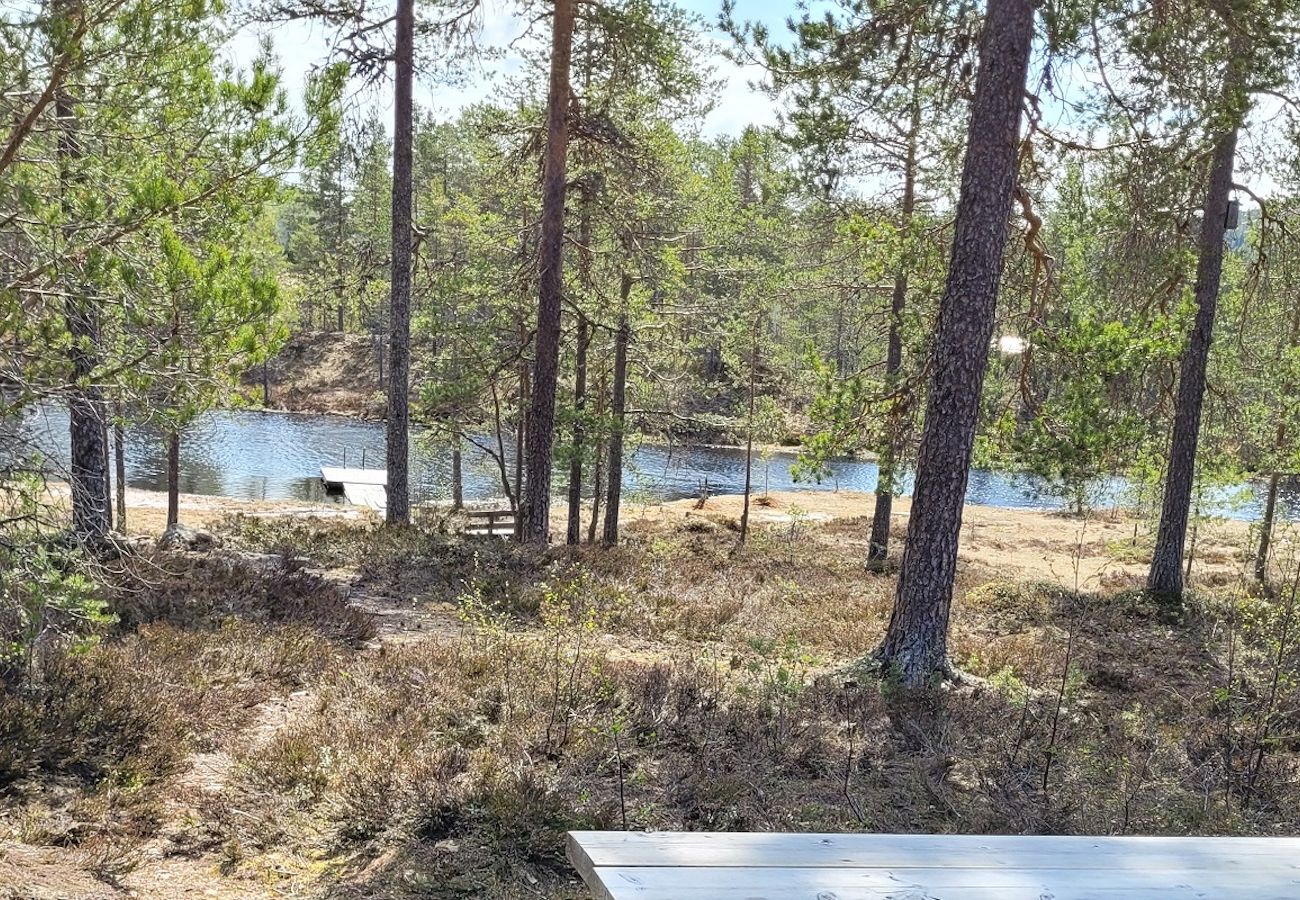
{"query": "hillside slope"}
(323, 372)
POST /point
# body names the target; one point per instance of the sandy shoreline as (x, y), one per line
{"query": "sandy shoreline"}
(1102, 550)
(1091, 552)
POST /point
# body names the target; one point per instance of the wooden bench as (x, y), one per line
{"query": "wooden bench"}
(500, 522)
(618, 865)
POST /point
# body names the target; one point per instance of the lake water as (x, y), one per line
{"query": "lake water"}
(270, 455)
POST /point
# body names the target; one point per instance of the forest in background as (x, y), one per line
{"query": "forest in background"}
(780, 285)
(824, 283)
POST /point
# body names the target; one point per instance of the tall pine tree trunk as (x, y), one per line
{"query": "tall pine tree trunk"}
(399, 354)
(573, 535)
(916, 644)
(573, 532)
(1166, 576)
(597, 471)
(1266, 525)
(173, 478)
(87, 413)
(1279, 447)
(87, 428)
(597, 491)
(886, 478)
(119, 465)
(749, 433)
(535, 512)
(618, 412)
(457, 477)
(521, 439)
(338, 233)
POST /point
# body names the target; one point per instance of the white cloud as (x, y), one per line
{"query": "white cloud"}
(738, 104)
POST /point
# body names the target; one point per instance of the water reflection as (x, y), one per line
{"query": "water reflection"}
(273, 455)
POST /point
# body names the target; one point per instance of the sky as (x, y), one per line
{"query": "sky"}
(301, 46)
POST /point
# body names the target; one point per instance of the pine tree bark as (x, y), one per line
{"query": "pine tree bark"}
(338, 233)
(399, 339)
(915, 647)
(119, 465)
(87, 412)
(173, 478)
(535, 512)
(1266, 525)
(91, 511)
(1275, 477)
(597, 491)
(886, 477)
(521, 439)
(749, 435)
(573, 534)
(618, 412)
(457, 477)
(1279, 446)
(1165, 578)
(597, 466)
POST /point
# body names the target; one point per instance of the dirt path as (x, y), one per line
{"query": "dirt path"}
(178, 861)
(166, 869)
(167, 866)
(406, 621)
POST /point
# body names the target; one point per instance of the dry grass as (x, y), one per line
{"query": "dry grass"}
(98, 739)
(207, 590)
(674, 682)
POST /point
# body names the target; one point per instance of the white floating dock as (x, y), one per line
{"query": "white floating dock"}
(361, 487)
(374, 496)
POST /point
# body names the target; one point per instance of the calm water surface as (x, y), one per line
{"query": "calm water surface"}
(270, 455)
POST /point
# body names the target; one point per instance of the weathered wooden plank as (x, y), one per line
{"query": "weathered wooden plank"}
(823, 883)
(631, 849)
(339, 475)
(733, 866)
(575, 848)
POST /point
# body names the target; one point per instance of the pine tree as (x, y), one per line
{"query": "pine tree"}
(915, 646)
(397, 458)
(535, 509)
